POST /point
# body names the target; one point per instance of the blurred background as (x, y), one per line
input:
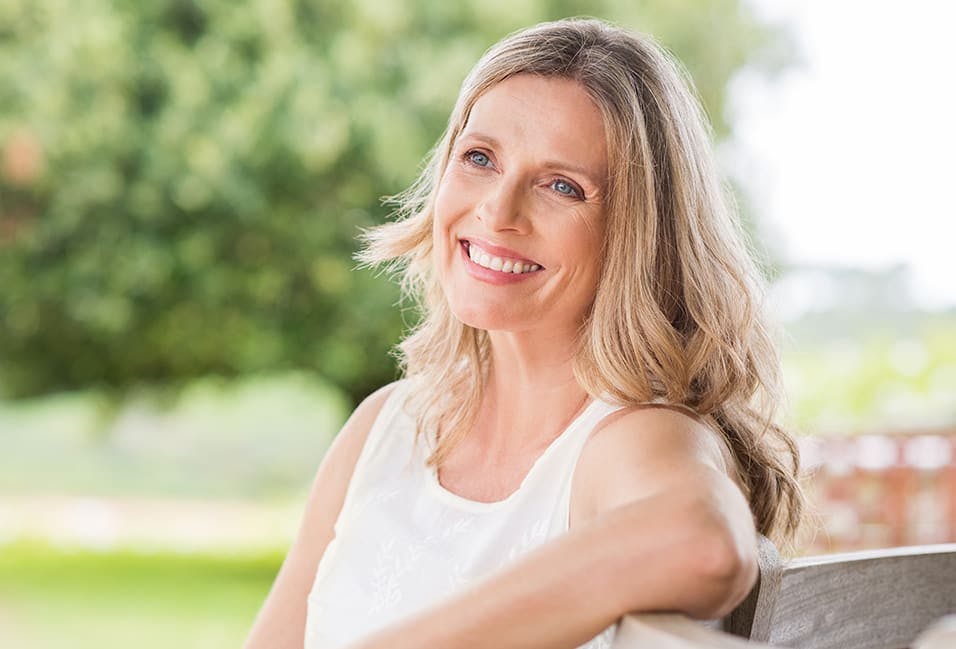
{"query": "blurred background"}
(182, 329)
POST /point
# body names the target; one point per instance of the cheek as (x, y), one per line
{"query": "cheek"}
(583, 246)
(453, 202)
(586, 251)
(441, 222)
(446, 205)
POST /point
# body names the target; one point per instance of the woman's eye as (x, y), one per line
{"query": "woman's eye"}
(566, 188)
(478, 158)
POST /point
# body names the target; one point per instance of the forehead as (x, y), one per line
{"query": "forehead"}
(548, 117)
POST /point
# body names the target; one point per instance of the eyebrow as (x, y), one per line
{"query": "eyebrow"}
(556, 165)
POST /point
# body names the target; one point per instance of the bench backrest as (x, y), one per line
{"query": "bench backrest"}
(878, 599)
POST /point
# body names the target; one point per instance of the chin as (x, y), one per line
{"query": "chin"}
(485, 317)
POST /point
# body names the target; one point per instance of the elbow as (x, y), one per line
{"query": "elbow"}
(700, 561)
(726, 569)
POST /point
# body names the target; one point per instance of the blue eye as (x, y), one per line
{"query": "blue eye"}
(478, 158)
(565, 188)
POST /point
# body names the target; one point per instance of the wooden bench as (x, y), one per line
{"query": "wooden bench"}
(878, 599)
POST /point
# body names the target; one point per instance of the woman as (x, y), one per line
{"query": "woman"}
(584, 426)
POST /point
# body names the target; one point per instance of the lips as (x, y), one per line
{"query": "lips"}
(498, 258)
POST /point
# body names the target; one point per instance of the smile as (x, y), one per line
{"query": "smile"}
(485, 259)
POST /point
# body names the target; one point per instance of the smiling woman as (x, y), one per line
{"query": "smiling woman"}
(508, 200)
(585, 424)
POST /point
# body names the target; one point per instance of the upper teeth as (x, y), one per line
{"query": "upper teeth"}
(482, 258)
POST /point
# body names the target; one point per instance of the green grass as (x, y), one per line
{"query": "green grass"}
(53, 597)
(257, 438)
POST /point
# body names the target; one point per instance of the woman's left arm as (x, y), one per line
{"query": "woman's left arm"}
(662, 528)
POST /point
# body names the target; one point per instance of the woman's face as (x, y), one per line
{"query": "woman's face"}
(519, 215)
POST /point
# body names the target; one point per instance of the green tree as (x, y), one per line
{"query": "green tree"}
(182, 181)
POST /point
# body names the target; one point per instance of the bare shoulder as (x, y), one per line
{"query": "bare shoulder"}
(642, 450)
(351, 438)
(347, 446)
(653, 436)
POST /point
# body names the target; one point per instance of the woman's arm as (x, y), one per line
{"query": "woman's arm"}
(281, 621)
(665, 529)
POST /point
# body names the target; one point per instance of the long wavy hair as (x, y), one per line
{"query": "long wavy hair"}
(677, 315)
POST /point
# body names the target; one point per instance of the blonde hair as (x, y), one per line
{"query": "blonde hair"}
(676, 317)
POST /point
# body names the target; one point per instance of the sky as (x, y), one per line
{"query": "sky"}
(850, 156)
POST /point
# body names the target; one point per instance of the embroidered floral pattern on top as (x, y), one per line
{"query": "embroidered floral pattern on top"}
(403, 543)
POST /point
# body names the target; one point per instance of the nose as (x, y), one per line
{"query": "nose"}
(503, 207)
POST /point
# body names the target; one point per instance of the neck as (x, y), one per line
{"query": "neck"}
(531, 394)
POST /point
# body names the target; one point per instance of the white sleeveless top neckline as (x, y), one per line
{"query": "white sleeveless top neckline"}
(403, 542)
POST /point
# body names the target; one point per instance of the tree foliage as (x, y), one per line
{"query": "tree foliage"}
(181, 182)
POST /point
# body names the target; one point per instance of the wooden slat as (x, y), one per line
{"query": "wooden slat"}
(750, 619)
(868, 600)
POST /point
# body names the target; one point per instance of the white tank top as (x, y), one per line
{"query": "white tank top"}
(403, 542)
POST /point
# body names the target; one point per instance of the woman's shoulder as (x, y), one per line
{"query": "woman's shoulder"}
(358, 426)
(373, 403)
(639, 450)
(657, 431)
(348, 444)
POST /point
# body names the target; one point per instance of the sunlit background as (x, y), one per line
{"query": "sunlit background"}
(182, 331)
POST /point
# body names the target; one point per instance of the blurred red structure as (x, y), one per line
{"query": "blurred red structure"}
(874, 491)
